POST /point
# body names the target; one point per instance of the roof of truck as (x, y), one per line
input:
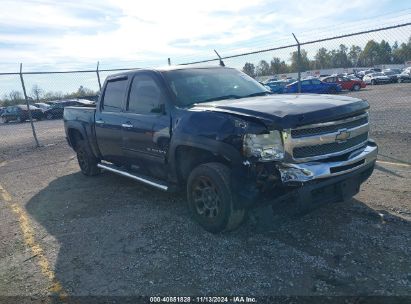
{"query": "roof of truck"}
(167, 68)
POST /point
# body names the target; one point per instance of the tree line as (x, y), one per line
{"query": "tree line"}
(374, 53)
(37, 94)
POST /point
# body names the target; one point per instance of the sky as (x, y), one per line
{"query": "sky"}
(55, 35)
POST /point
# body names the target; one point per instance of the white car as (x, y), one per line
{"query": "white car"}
(376, 78)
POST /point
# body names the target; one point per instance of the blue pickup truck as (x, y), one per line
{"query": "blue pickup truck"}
(227, 141)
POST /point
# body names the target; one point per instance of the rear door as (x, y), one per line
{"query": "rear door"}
(146, 132)
(108, 119)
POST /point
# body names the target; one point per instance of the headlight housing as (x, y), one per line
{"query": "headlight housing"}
(265, 147)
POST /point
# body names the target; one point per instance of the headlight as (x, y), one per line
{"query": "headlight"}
(266, 147)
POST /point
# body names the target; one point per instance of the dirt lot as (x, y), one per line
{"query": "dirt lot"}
(62, 233)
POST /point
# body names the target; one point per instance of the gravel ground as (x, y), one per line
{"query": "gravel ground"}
(108, 235)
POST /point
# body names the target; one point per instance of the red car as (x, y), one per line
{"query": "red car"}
(346, 83)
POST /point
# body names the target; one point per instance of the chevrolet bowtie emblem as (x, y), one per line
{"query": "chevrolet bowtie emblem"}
(342, 136)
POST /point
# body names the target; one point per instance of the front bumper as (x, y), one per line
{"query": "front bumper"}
(300, 173)
(317, 193)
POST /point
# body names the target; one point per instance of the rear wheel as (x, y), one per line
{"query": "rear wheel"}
(356, 87)
(210, 199)
(86, 160)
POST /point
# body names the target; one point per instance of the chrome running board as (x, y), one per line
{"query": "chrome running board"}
(141, 178)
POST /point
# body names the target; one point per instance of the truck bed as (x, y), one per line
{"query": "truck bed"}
(83, 114)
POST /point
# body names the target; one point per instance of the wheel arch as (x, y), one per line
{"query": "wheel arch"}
(74, 136)
(187, 157)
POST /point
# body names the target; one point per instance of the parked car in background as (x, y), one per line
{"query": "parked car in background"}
(42, 106)
(278, 86)
(353, 77)
(345, 82)
(361, 74)
(56, 108)
(376, 78)
(314, 86)
(405, 76)
(270, 80)
(20, 113)
(2, 110)
(392, 74)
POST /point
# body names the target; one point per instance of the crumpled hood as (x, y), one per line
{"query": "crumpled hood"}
(289, 110)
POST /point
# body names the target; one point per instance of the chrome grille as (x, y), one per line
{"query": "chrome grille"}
(316, 150)
(296, 133)
(323, 140)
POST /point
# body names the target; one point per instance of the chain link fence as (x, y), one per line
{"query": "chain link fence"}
(387, 48)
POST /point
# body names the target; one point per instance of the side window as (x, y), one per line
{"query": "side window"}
(315, 81)
(145, 96)
(114, 94)
(305, 82)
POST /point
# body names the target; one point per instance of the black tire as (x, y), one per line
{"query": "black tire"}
(356, 87)
(86, 160)
(4, 120)
(19, 120)
(373, 82)
(210, 199)
(49, 116)
(399, 80)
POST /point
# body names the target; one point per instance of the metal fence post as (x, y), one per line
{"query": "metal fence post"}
(98, 76)
(169, 61)
(298, 63)
(28, 106)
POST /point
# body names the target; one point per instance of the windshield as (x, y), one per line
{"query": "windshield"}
(378, 74)
(192, 86)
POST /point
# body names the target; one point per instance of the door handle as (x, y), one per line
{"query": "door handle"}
(99, 121)
(127, 125)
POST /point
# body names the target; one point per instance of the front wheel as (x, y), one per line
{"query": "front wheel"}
(210, 199)
(356, 87)
(49, 116)
(86, 160)
(373, 82)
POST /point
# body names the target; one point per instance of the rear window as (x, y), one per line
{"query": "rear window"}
(114, 95)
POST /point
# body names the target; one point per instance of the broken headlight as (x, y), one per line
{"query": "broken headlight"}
(265, 147)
